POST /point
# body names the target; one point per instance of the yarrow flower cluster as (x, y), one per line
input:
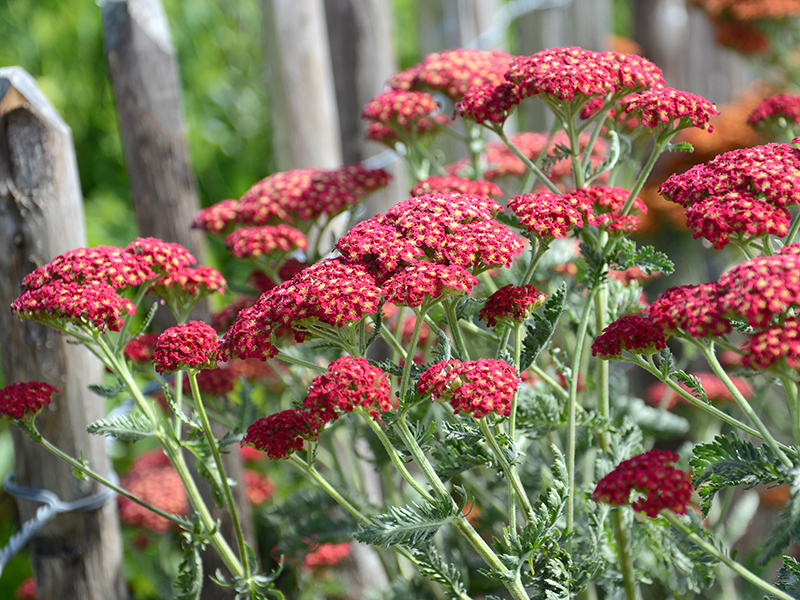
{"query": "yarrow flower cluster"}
(326, 554)
(193, 345)
(660, 395)
(785, 106)
(493, 103)
(282, 434)
(636, 334)
(693, 308)
(510, 303)
(774, 344)
(140, 348)
(161, 257)
(668, 109)
(607, 203)
(251, 242)
(257, 487)
(551, 215)
(743, 192)
(348, 383)
(477, 387)
(652, 474)
(217, 218)
(152, 478)
(411, 286)
(451, 184)
(400, 108)
(23, 400)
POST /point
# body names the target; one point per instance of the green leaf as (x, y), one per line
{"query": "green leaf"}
(378, 325)
(189, 583)
(665, 363)
(107, 391)
(787, 531)
(431, 564)
(652, 420)
(132, 427)
(148, 319)
(176, 410)
(462, 447)
(539, 335)
(730, 462)
(681, 147)
(413, 525)
(609, 162)
(789, 577)
(443, 350)
(509, 219)
(692, 382)
(537, 414)
(647, 258)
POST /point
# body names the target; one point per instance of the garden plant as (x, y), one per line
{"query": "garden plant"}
(472, 351)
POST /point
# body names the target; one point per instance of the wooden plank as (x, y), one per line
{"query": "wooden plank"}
(77, 556)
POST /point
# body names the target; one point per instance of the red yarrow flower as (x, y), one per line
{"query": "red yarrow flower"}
(660, 485)
(477, 387)
(786, 106)
(218, 382)
(511, 304)
(695, 309)
(161, 257)
(451, 184)
(191, 346)
(667, 109)
(326, 554)
(607, 203)
(282, 434)
(550, 215)
(493, 103)
(152, 478)
(379, 245)
(218, 217)
(140, 349)
(251, 242)
(424, 280)
(636, 334)
(400, 108)
(774, 344)
(26, 590)
(257, 487)
(20, 401)
(97, 305)
(348, 383)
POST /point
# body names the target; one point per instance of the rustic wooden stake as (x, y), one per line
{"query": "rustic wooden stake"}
(77, 556)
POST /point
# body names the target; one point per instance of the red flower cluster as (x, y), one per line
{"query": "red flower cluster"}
(511, 303)
(478, 387)
(743, 192)
(140, 349)
(411, 286)
(304, 194)
(160, 256)
(549, 215)
(456, 185)
(652, 474)
(95, 305)
(218, 382)
(249, 242)
(661, 396)
(332, 292)
(187, 285)
(401, 108)
(493, 103)
(257, 487)
(772, 344)
(693, 308)
(152, 478)
(26, 590)
(282, 434)
(348, 383)
(454, 72)
(193, 345)
(607, 202)
(669, 108)
(786, 106)
(635, 333)
(217, 218)
(326, 555)
(24, 400)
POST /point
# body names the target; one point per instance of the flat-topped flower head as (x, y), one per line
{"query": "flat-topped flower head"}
(400, 108)
(379, 245)
(636, 334)
(152, 478)
(774, 344)
(733, 215)
(493, 103)
(348, 383)
(21, 401)
(188, 284)
(669, 109)
(779, 106)
(284, 433)
(477, 387)
(551, 216)
(659, 484)
(58, 303)
(160, 256)
(450, 184)
(562, 73)
(331, 293)
(327, 554)
(660, 395)
(424, 280)
(511, 304)
(631, 72)
(218, 217)
(607, 203)
(454, 72)
(304, 194)
(251, 242)
(694, 309)
(140, 349)
(190, 346)
(761, 288)
(104, 265)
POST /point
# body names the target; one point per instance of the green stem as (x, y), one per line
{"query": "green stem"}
(406, 377)
(625, 557)
(212, 442)
(575, 152)
(793, 230)
(452, 319)
(498, 129)
(740, 570)
(329, 489)
(790, 388)
(293, 360)
(708, 352)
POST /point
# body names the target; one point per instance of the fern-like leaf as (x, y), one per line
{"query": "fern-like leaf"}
(412, 525)
(787, 531)
(647, 258)
(537, 414)
(539, 335)
(432, 565)
(131, 427)
(107, 391)
(789, 577)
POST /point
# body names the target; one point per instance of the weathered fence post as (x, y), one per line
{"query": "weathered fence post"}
(77, 556)
(143, 70)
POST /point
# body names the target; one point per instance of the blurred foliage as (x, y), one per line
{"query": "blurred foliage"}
(218, 43)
